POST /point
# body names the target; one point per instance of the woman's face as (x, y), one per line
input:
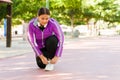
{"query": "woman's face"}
(43, 19)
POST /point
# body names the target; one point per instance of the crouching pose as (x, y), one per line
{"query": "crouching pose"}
(46, 38)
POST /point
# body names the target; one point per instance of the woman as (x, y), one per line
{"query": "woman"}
(46, 39)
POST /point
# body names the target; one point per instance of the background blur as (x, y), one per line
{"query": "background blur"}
(78, 18)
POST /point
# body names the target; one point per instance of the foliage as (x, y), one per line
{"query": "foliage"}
(66, 11)
(26, 9)
(3, 11)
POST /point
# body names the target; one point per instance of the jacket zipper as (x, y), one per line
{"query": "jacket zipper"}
(42, 39)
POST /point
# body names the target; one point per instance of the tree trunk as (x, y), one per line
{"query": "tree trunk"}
(72, 24)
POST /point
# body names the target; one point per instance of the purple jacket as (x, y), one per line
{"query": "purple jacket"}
(37, 37)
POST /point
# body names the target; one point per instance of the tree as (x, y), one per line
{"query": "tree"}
(107, 10)
(67, 9)
(26, 9)
(3, 11)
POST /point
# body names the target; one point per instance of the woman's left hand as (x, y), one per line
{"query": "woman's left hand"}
(54, 60)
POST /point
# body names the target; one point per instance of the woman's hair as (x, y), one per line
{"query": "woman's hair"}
(42, 11)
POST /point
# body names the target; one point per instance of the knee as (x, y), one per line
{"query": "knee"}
(52, 40)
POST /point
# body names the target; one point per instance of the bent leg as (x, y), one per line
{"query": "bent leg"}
(51, 46)
(40, 63)
(49, 50)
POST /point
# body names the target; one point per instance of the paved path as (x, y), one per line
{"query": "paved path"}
(83, 59)
(18, 47)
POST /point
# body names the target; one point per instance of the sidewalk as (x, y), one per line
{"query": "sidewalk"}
(18, 47)
(96, 58)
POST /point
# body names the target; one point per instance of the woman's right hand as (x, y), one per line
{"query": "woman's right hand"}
(44, 59)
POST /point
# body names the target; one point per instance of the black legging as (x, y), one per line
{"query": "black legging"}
(49, 50)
